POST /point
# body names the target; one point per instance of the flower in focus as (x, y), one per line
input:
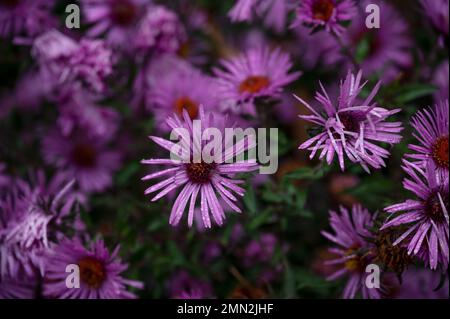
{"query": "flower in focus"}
(100, 272)
(426, 217)
(25, 18)
(160, 30)
(351, 235)
(327, 14)
(437, 12)
(275, 12)
(115, 18)
(200, 177)
(350, 126)
(183, 286)
(385, 50)
(257, 73)
(431, 131)
(68, 64)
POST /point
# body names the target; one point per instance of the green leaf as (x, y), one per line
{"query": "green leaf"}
(412, 92)
(250, 200)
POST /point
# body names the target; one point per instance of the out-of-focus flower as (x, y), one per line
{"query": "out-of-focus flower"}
(327, 14)
(87, 159)
(440, 79)
(431, 131)
(115, 18)
(437, 11)
(274, 12)
(385, 50)
(420, 284)
(352, 235)
(25, 18)
(259, 251)
(4, 177)
(70, 65)
(16, 289)
(426, 216)
(159, 30)
(183, 286)
(182, 87)
(100, 272)
(349, 127)
(26, 211)
(257, 73)
(200, 177)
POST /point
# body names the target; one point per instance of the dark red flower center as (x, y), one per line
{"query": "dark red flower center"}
(186, 103)
(9, 3)
(350, 120)
(92, 272)
(440, 151)
(200, 173)
(84, 155)
(433, 205)
(254, 84)
(322, 9)
(123, 12)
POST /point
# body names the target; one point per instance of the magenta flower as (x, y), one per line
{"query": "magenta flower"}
(273, 12)
(25, 18)
(257, 73)
(327, 14)
(440, 80)
(437, 12)
(350, 127)
(426, 217)
(260, 251)
(431, 131)
(183, 286)
(421, 284)
(181, 87)
(351, 235)
(66, 63)
(386, 50)
(115, 18)
(159, 30)
(100, 272)
(200, 177)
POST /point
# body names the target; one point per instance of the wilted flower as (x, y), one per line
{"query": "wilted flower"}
(327, 14)
(431, 131)
(100, 272)
(349, 127)
(258, 73)
(200, 178)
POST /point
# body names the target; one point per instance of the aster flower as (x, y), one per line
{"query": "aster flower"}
(327, 14)
(15, 289)
(431, 131)
(25, 18)
(204, 178)
(178, 88)
(26, 213)
(259, 251)
(183, 286)
(66, 63)
(426, 217)
(159, 30)
(115, 18)
(257, 73)
(82, 156)
(385, 50)
(350, 128)
(437, 12)
(440, 80)
(274, 12)
(351, 235)
(100, 272)
(421, 284)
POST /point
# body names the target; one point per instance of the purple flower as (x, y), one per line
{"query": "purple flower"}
(16, 289)
(274, 12)
(258, 73)
(26, 212)
(115, 18)
(183, 286)
(420, 284)
(440, 79)
(431, 131)
(327, 14)
(350, 127)
(4, 177)
(351, 235)
(425, 217)
(160, 30)
(100, 272)
(437, 11)
(181, 87)
(25, 18)
(260, 251)
(200, 177)
(385, 50)
(66, 63)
